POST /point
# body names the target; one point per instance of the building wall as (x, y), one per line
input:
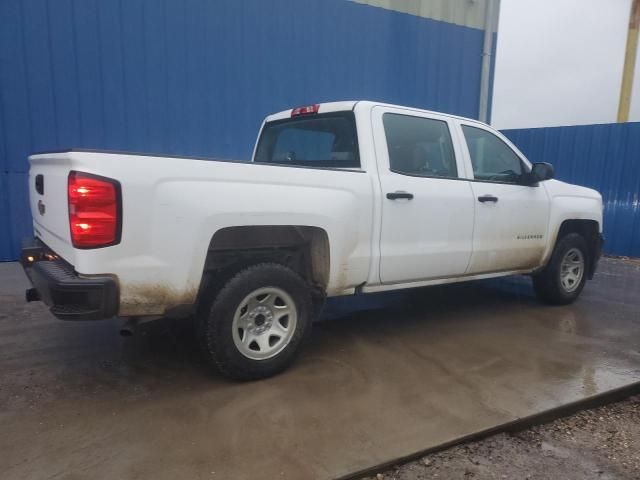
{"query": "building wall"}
(468, 13)
(196, 77)
(604, 157)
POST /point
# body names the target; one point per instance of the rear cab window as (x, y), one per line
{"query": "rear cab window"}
(326, 140)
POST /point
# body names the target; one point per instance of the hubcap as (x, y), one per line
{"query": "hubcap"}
(264, 323)
(571, 270)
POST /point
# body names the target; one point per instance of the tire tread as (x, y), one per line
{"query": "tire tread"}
(546, 283)
(220, 350)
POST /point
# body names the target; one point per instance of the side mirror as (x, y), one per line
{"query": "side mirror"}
(540, 172)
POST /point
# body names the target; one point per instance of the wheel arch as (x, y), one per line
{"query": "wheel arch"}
(590, 230)
(304, 249)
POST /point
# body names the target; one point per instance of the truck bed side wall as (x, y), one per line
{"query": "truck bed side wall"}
(173, 207)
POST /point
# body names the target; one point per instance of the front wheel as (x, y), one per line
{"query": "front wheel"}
(562, 280)
(257, 322)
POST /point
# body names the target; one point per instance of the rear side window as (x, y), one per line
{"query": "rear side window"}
(325, 140)
(419, 146)
(491, 158)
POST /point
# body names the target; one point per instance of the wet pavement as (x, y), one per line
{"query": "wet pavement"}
(383, 376)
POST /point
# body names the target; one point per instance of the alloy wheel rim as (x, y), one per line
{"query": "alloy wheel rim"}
(264, 323)
(571, 270)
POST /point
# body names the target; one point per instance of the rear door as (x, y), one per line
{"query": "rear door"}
(510, 228)
(427, 203)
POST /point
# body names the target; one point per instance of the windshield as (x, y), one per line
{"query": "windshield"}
(325, 140)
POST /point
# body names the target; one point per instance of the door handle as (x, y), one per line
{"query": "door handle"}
(397, 195)
(487, 198)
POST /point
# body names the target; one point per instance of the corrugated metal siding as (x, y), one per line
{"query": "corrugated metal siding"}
(469, 13)
(604, 157)
(6, 235)
(15, 218)
(196, 77)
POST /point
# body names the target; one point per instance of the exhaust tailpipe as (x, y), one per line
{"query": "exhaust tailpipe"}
(32, 295)
(129, 327)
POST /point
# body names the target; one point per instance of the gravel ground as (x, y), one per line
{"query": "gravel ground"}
(603, 443)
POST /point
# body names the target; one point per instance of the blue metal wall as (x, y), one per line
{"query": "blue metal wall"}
(196, 77)
(604, 157)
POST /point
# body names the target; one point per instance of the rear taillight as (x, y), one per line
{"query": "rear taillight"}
(95, 213)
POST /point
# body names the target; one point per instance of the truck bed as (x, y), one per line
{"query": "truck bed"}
(173, 206)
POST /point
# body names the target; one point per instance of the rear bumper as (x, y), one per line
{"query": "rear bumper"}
(69, 296)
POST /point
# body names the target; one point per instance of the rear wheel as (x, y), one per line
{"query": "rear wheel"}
(563, 278)
(257, 322)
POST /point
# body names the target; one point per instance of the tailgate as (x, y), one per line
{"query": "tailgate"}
(48, 200)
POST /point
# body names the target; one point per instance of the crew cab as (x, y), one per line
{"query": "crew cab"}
(339, 198)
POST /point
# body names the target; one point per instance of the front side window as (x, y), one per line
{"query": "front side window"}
(491, 158)
(325, 140)
(419, 146)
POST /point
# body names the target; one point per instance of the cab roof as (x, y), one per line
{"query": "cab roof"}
(366, 104)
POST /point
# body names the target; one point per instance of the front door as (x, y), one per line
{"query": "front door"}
(511, 219)
(427, 204)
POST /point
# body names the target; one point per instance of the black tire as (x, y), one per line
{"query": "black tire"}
(215, 329)
(547, 283)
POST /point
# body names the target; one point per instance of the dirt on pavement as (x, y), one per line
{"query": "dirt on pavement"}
(602, 443)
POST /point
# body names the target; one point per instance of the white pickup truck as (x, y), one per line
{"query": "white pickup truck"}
(340, 199)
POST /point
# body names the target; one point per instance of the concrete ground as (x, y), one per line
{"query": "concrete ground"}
(384, 376)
